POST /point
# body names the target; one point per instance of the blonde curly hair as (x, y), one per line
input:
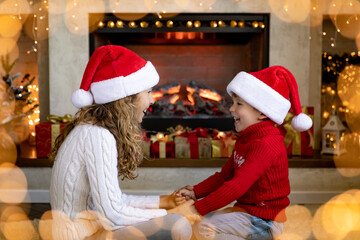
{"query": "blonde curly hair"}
(119, 118)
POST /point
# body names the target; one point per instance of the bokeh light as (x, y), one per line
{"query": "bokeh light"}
(7, 148)
(7, 45)
(348, 89)
(17, 129)
(10, 26)
(357, 41)
(45, 226)
(15, 7)
(13, 184)
(348, 24)
(15, 224)
(290, 10)
(77, 15)
(316, 12)
(298, 224)
(338, 217)
(7, 102)
(348, 163)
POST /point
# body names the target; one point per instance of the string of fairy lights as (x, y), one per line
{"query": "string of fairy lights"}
(188, 23)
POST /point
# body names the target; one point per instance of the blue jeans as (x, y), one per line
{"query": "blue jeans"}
(225, 224)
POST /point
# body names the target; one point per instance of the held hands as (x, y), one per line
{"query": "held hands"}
(171, 201)
(187, 192)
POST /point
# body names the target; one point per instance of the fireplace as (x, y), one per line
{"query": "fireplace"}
(196, 56)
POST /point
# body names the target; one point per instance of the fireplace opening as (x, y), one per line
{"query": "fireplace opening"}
(196, 56)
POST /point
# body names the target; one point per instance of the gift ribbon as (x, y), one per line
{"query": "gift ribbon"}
(55, 132)
(293, 136)
(226, 143)
(58, 119)
(162, 149)
(193, 140)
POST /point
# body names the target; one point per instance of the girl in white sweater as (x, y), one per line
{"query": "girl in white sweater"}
(102, 143)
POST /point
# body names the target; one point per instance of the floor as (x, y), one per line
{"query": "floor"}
(32, 210)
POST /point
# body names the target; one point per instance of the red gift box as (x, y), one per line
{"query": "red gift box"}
(162, 149)
(193, 140)
(46, 134)
(298, 143)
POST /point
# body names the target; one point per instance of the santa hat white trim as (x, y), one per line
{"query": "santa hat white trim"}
(113, 89)
(259, 95)
(116, 88)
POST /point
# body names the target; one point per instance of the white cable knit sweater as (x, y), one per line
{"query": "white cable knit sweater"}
(85, 180)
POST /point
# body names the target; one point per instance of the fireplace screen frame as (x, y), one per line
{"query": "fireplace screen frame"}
(210, 23)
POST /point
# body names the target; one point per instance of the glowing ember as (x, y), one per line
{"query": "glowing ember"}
(205, 93)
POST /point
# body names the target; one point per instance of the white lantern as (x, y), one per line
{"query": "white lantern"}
(332, 133)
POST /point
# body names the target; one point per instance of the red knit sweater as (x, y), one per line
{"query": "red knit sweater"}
(256, 176)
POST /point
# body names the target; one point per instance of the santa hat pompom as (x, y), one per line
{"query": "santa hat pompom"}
(81, 98)
(301, 122)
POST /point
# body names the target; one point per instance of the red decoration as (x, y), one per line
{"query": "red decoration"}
(156, 149)
(46, 133)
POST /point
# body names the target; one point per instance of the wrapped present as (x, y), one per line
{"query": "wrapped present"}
(193, 144)
(222, 144)
(160, 147)
(145, 146)
(46, 134)
(298, 143)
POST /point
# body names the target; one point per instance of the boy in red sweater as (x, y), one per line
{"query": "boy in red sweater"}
(256, 174)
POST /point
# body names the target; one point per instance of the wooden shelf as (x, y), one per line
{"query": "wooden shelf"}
(27, 158)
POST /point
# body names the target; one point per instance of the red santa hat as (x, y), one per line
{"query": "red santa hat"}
(113, 72)
(272, 91)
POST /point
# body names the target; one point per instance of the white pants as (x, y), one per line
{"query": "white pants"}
(228, 225)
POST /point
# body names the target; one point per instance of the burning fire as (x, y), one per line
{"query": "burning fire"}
(199, 98)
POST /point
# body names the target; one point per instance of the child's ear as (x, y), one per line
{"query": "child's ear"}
(262, 116)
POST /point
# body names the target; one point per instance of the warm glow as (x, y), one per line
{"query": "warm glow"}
(7, 45)
(160, 136)
(7, 148)
(157, 95)
(174, 90)
(221, 135)
(191, 99)
(46, 225)
(15, 224)
(13, 184)
(290, 10)
(190, 90)
(348, 162)
(205, 93)
(9, 27)
(298, 224)
(338, 217)
(174, 98)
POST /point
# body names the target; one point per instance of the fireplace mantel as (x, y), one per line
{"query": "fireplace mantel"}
(27, 158)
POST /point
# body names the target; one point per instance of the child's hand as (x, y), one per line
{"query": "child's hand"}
(178, 199)
(171, 201)
(187, 192)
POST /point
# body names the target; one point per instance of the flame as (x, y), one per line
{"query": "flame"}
(174, 98)
(205, 93)
(190, 89)
(191, 99)
(157, 95)
(174, 90)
